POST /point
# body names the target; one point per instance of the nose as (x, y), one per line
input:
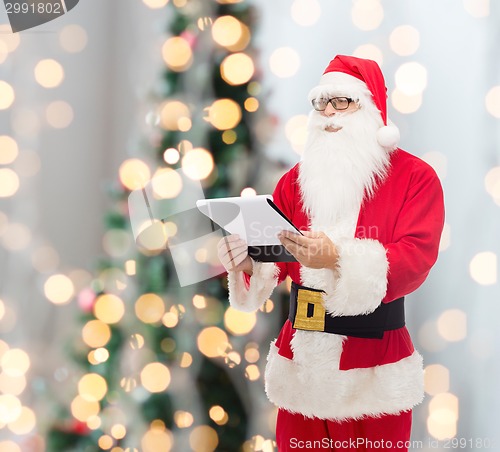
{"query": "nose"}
(329, 110)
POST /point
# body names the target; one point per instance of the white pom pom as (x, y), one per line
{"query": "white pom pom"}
(388, 136)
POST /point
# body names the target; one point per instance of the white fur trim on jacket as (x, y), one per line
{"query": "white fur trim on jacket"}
(262, 283)
(360, 282)
(319, 389)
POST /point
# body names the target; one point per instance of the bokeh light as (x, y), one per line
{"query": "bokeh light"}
(247, 192)
(170, 319)
(404, 40)
(10, 408)
(152, 235)
(171, 156)
(483, 268)
(59, 289)
(186, 360)
(429, 337)
(83, 409)
(10, 150)
(134, 174)
(229, 136)
(10, 40)
(96, 333)
(155, 377)
(92, 387)
(203, 439)
(477, 8)
(9, 446)
(149, 308)
(15, 362)
(411, 78)
(443, 416)
(224, 114)
(436, 379)
(155, 4)
(238, 322)
(12, 385)
(492, 183)
(99, 355)
(252, 354)
(118, 431)
(175, 115)
(109, 308)
(306, 12)
(105, 442)
(296, 132)
(452, 325)
(367, 14)
(251, 104)
(4, 53)
(218, 415)
(197, 164)
(252, 372)
(59, 114)
(49, 73)
(166, 183)
(284, 62)
(493, 101)
(25, 423)
(237, 69)
(371, 52)
(404, 103)
(183, 419)
(16, 237)
(212, 342)
(7, 95)
(73, 38)
(177, 54)
(10, 182)
(156, 439)
(229, 32)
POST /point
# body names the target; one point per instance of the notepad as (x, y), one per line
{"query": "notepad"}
(256, 219)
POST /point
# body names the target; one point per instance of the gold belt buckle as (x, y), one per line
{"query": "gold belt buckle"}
(302, 321)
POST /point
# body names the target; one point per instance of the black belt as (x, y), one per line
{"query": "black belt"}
(307, 312)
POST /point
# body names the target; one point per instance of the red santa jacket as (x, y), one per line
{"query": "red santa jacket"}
(389, 254)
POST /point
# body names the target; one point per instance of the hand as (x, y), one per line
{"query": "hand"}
(233, 254)
(313, 249)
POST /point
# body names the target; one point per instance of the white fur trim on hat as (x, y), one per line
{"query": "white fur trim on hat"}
(262, 283)
(340, 84)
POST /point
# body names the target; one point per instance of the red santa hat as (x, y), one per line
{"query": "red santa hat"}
(363, 81)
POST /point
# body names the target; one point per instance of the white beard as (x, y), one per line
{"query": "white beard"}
(339, 169)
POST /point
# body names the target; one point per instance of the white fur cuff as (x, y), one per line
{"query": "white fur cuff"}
(262, 283)
(361, 280)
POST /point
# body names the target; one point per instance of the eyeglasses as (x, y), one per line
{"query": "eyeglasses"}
(338, 103)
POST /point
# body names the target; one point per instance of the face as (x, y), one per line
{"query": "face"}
(330, 111)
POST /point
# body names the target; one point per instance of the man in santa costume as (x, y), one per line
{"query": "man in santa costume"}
(343, 371)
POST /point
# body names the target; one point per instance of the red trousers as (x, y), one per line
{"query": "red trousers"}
(294, 432)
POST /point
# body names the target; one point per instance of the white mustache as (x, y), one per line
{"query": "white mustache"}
(339, 121)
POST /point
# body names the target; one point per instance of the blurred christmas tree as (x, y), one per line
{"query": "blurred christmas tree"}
(170, 367)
